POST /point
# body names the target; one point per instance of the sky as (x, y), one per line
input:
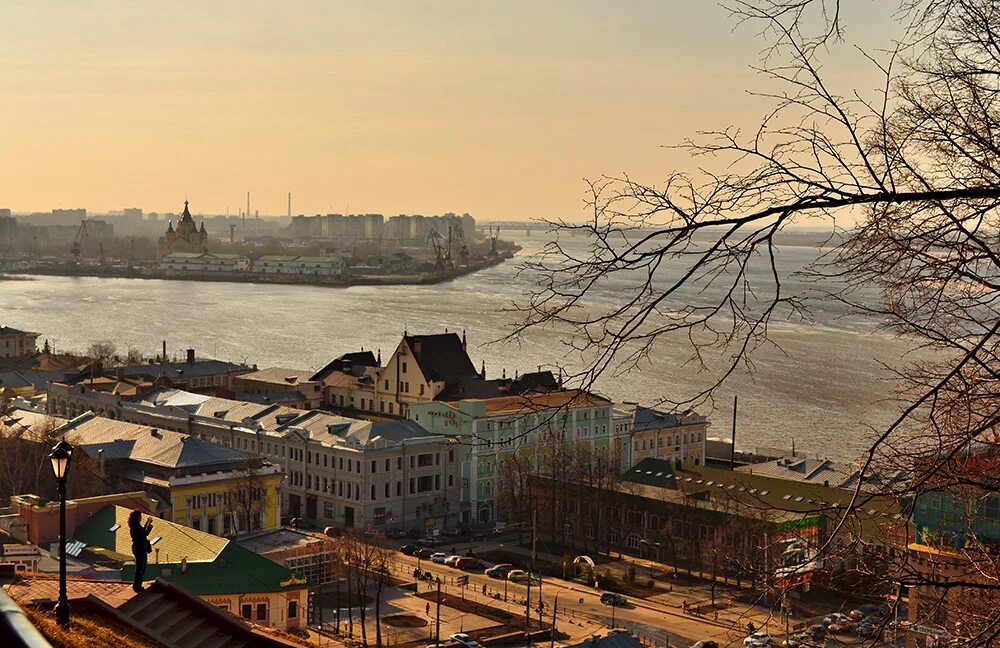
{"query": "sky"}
(500, 109)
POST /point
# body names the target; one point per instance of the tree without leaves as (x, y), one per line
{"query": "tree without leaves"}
(917, 164)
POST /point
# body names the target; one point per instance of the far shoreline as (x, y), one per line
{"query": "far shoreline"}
(289, 280)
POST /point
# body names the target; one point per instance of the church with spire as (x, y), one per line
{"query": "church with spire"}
(186, 238)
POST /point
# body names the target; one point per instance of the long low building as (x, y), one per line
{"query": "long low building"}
(340, 471)
(195, 262)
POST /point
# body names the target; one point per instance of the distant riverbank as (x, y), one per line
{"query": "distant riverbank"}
(347, 281)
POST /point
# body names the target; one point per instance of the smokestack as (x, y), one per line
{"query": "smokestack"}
(289, 204)
(190, 356)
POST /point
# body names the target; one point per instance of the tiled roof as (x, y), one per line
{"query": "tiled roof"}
(801, 469)
(20, 421)
(13, 379)
(145, 444)
(8, 330)
(40, 589)
(332, 429)
(278, 375)
(176, 541)
(182, 370)
(345, 364)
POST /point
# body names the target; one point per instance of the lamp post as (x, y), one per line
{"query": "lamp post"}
(60, 458)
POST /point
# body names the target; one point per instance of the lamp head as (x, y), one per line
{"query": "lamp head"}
(60, 457)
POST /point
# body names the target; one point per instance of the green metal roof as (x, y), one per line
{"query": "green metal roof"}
(176, 541)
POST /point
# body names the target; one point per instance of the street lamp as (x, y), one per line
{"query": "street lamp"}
(60, 457)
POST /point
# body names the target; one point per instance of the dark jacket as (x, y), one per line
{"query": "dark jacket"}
(139, 535)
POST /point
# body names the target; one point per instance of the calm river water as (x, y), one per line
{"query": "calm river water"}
(823, 388)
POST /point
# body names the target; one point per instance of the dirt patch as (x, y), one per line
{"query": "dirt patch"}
(404, 621)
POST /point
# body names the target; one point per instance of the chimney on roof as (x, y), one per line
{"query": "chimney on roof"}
(379, 358)
(154, 432)
(482, 371)
(190, 356)
(463, 340)
(504, 373)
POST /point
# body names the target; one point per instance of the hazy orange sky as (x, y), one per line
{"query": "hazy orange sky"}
(500, 109)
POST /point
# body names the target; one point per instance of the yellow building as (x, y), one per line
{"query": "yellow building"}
(679, 438)
(197, 483)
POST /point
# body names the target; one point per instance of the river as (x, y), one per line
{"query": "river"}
(823, 388)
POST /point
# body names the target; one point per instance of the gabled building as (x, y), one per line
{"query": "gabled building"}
(219, 571)
(15, 343)
(195, 482)
(279, 382)
(672, 436)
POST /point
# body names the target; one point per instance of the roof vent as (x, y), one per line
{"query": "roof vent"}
(155, 433)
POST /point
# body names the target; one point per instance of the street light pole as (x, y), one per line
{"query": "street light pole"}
(60, 457)
(552, 630)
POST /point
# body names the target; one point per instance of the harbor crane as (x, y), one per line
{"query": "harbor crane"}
(77, 247)
(438, 243)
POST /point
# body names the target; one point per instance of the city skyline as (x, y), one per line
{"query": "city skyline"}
(498, 110)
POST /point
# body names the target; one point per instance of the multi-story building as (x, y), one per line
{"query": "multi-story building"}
(306, 266)
(662, 435)
(15, 343)
(195, 482)
(203, 262)
(494, 427)
(423, 368)
(340, 471)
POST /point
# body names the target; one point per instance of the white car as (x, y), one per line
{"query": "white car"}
(836, 617)
(451, 560)
(439, 558)
(517, 575)
(465, 640)
(758, 639)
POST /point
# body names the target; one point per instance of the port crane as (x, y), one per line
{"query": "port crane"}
(438, 243)
(77, 247)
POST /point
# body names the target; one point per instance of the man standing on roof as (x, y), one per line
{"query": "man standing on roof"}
(140, 545)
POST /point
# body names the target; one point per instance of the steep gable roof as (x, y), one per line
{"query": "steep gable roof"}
(441, 357)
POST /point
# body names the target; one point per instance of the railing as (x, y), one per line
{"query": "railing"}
(16, 631)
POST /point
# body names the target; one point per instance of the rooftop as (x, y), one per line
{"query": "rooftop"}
(441, 357)
(538, 401)
(182, 370)
(122, 440)
(8, 330)
(279, 376)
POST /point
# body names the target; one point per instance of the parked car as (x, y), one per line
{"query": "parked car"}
(468, 562)
(611, 598)
(464, 639)
(864, 629)
(705, 643)
(408, 549)
(758, 639)
(424, 552)
(439, 557)
(798, 641)
(517, 575)
(500, 570)
(428, 542)
(844, 625)
(855, 615)
(836, 617)
(452, 533)
(816, 631)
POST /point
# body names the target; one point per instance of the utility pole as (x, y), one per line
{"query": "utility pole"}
(437, 623)
(732, 452)
(552, 630)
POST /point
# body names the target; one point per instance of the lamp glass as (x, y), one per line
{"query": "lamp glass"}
(60, 457)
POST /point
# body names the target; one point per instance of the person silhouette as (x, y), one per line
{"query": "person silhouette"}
(140, 545)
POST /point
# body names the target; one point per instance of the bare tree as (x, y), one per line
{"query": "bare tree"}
(247, 496)
(913, 168)
(105, 352)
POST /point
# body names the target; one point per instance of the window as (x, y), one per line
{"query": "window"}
(425, 483)
(262, 611)
(373, 466)
(246, 610)
(381, 406)
(328, 510)
(451, 456)
(387, 466)
(404, 367)
(341, 463)
(421, 390)
(451, 480)
(437, 482)
(293, 609)
(424, 460)
(399, 488)
(390, 407)
(373, 491)
(380, 516)
(387, 385)
(399, 463)
(613, 537)
(386, 490)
